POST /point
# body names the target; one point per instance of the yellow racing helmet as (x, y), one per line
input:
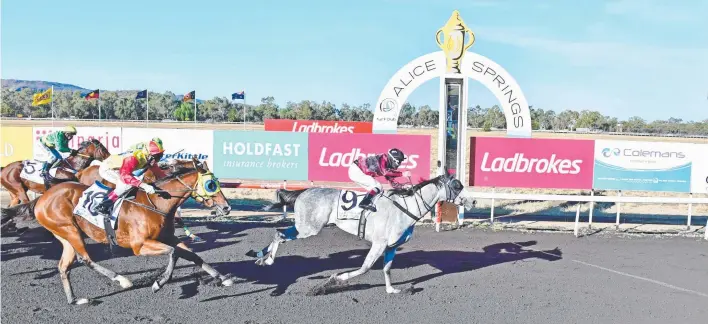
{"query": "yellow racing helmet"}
(69, 130)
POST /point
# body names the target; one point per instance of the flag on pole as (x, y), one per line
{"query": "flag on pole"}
(42, 98)
(238, 95)
(92, 95)
(141, 94)
(189, 96)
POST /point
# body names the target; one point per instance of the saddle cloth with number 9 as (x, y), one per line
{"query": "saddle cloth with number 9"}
(348, 204)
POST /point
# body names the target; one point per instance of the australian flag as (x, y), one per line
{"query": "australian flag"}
(141, 94)
(238, 95)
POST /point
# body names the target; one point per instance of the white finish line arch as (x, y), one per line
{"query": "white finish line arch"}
(473, 66)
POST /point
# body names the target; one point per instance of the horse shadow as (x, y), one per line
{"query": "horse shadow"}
(447, 262)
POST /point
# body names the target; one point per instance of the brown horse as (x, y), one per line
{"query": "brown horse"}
(145, 224)
(90, 175)
(17, 186)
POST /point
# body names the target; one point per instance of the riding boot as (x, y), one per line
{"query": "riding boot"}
(366, 202)
(105, 207)
(45, 175)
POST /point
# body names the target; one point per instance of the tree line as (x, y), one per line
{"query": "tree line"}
(166, 106)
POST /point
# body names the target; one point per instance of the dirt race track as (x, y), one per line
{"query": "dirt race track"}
(461, 276)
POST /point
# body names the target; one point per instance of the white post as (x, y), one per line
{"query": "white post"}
(244, 110)
(690, 211)
(592, 206)
(147, 110)
(285, 207)
(435, 213)
(577, 221)
(619, 206)
(491, 212)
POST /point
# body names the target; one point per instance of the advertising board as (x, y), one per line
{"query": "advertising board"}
(531, 162)
(643, 166)
(699, 169)
(110, 137)
(260, 155)
(317, 126)
(180, 144)
(331, 154)
(16, 144)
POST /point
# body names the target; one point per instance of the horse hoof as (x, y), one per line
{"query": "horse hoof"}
(227, 283)
(392, 291)
(81, 301)
(155, 287)
(123, 281)
(269, 261)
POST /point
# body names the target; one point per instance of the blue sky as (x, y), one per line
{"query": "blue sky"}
(624, 58)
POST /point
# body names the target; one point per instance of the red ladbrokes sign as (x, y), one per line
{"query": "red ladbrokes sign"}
(330, 155)
(317, 126)
(531, 162)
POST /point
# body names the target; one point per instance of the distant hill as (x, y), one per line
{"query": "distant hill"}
(39, 85)
(43, 85)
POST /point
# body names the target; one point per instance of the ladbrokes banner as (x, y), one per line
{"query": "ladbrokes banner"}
(531, 162)
(331, 154)
(317, 126)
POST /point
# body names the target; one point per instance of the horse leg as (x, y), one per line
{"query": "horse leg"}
(389, 253)
(267, 255)
(194, 258)
(152, 247)
(78, 243)
(374, 253)
(68, 256)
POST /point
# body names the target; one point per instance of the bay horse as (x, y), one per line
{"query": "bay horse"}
(145, 224)
(89, 151)
(90, 175)
(387, 228)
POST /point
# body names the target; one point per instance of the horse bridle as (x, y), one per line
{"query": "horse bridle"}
(450, 196)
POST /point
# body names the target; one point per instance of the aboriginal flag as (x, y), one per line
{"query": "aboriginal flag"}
(141, 94)
(189, 96)
(92, 95)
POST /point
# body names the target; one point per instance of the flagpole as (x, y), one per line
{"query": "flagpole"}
(195, 108)
(99, 106)
(244, 109)
(147, 112)
(52, 101)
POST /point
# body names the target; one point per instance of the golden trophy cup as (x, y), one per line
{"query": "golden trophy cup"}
(453, 40)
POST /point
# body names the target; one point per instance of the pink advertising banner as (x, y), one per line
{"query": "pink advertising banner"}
(331, 154)
(532, 162)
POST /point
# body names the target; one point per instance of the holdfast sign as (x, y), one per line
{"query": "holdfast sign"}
(643, 166)
(331, 154)
(260, 155)
(317, 126)
(531, 163)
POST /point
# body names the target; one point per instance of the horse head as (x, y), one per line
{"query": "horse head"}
(88, 151)
(452, 190)
(203, 185)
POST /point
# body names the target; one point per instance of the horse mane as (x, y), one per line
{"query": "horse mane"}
(179, 170)
(85, 144)
(410, 191)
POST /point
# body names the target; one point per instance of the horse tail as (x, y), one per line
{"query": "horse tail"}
(284, 198)
(26, 210)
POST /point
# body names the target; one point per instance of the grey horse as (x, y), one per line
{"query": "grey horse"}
(388, 228)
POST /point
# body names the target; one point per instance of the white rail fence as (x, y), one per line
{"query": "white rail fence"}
(592, 199)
